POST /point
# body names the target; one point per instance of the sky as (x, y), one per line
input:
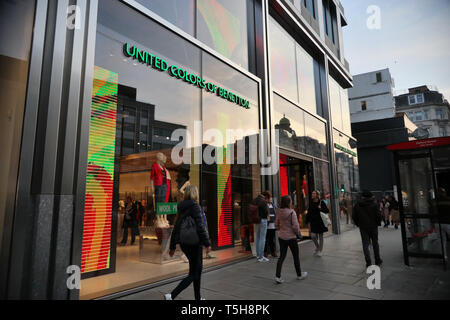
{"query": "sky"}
(413, 41)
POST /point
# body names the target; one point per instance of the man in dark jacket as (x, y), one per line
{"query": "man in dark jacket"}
(367, 217)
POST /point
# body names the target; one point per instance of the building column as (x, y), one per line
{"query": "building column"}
(42, 237)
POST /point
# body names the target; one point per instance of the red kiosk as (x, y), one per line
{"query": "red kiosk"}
(423, 187)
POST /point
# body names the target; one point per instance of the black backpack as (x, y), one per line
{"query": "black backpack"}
(188, 232)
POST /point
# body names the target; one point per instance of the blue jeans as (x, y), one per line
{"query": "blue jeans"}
(261, 231)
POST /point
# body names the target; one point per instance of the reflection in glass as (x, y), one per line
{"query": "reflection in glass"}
(345, 109)
(347, 177)
(16, 31)
(178, 12)
(289, 120)
(306, 82)
(316, 138)
(236, 181)
(222, 25)
(149, 106)
(282, 61)
(335, 104)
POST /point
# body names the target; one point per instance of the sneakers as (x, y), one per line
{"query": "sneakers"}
(263, 259)
(279, 280)
(303, 276)
(315, 252)
(320, 253)
(168, 296)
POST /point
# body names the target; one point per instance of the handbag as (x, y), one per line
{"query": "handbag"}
(325, 219)
(188, 232)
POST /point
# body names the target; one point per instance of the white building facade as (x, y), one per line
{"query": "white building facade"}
(428, 109)
(372, 96)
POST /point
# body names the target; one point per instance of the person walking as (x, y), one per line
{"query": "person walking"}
(261, 228)
(270, 246)
(367, 218)
(189, 209)
(394, 211)
(315, 222)
(289, 231)
(130, 221)
(384, 208)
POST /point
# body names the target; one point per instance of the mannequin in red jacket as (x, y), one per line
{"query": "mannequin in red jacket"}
(160, 183)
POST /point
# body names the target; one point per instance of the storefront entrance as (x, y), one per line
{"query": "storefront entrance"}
(423, 175)
(297, 180)
(153, 133)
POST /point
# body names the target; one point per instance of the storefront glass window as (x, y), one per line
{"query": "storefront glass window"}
(178, 12)
(348, 187)
(316, 138)
(335, 104)
(345, 108)
(282, 61)
(233, 182)
(322, 184)
(289, 120)
(306, 81)
(135, 178)
(16, 30)
(222, 25)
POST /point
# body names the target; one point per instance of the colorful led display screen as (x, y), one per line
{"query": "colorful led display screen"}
(224, 209)
(100, 173)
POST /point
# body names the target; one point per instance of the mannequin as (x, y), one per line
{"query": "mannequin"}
(160, 183)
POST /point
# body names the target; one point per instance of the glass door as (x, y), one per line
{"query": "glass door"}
(420, 224)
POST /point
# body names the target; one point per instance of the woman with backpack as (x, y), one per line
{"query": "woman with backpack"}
(190, 233)
(315, 222)
(288, 232)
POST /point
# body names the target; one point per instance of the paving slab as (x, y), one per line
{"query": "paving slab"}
(339, 275)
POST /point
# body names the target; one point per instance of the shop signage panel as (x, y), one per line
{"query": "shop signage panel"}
(181, 74)
(339, 147)
(166, 208)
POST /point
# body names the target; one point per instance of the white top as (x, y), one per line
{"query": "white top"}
(271, 225)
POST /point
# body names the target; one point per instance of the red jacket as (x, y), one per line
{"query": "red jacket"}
(156, 174)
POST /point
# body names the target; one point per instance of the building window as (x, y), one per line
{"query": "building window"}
(329, 17)
(442, 132)
(309, 5)
(419, 98)
(419, 116)
(179, 13)
(426, 115)
(416, 99)
(306, 80)
(379, 79)
(223, 26)
(130, 145)
(439, 114)
(363, 105)
(283, 62)
(410, 115)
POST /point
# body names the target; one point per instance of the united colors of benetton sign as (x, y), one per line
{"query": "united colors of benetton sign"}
(179, 73)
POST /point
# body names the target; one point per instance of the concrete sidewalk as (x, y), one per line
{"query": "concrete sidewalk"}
(338, 275)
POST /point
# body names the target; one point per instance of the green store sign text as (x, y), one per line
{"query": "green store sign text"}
(337, 146)
(177, 72)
